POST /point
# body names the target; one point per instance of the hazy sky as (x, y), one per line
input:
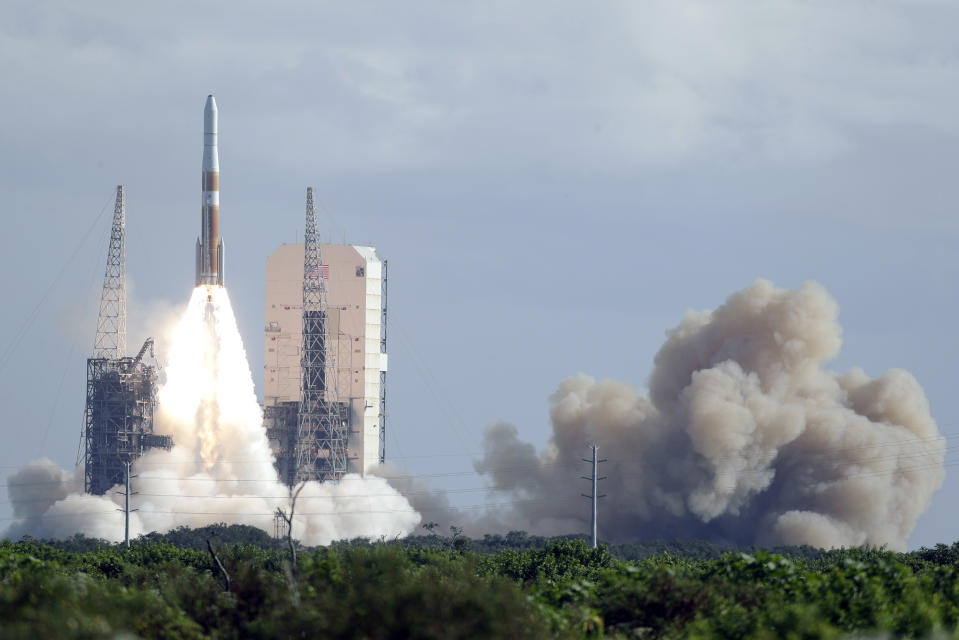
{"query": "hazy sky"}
(553, 183)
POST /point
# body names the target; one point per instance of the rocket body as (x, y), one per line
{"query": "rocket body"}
(209, 246)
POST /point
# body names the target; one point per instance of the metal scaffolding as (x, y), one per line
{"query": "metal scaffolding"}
(121, 397)
(281, 421)
(121, 391)
(111, 339)
(322, 430)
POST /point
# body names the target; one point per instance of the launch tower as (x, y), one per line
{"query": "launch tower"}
(322, 423)
(355, 279)
(121, 390)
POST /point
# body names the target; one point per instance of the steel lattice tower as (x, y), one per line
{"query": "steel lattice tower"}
(121, 391)
(111, 339)
(321, 437)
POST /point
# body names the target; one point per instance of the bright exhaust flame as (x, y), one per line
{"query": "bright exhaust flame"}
(221, 467)
(208, 403)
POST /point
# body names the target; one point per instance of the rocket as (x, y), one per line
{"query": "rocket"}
(209, 246)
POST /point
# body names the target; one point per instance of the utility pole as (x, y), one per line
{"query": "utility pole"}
(126, 502)
(126, 508)
(593, 497)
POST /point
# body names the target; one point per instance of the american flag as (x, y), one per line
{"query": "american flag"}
(323, 269)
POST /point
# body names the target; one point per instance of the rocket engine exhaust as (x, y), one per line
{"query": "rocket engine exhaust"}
(210, 251)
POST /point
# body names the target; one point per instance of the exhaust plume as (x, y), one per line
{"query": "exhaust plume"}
(744, 438)
(221, 467)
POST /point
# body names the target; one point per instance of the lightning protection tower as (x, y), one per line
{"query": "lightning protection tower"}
(111, 340)
(322, 431)
(121, 391)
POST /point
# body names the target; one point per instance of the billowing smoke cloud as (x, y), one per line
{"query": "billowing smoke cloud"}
(433, 505)
(221, 468)
(36, 486)
(744, 437)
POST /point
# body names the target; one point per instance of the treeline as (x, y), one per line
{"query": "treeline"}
(187, 538)
(514, 586)
(520, 541)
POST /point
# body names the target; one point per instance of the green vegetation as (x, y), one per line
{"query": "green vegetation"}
(433, 586)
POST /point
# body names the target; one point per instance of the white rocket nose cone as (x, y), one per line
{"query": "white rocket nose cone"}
(209, 115)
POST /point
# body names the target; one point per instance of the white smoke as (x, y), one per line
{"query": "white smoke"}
(221, 467)
(744, 438)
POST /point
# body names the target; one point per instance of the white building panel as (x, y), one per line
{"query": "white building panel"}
(354, 295)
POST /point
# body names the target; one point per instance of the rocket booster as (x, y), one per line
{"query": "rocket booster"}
(209, 246)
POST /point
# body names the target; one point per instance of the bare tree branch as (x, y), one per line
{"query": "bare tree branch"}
(216, 559)
(292, 575)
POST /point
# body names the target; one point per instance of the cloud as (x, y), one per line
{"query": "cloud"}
(635, 84)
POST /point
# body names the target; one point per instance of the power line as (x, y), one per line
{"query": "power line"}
(815, 452)
(542, 464)
(483, 506)
(271, 514)
(488, 505)
(281, 497)
(451, 474)
(487, 489)
(71, 514)
(19, 335)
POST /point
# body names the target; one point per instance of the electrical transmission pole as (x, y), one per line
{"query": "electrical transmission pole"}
(126, 502)
(593, 497)
(111, 340)
(321, 435)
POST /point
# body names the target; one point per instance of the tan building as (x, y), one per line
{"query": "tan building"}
(356, 297)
